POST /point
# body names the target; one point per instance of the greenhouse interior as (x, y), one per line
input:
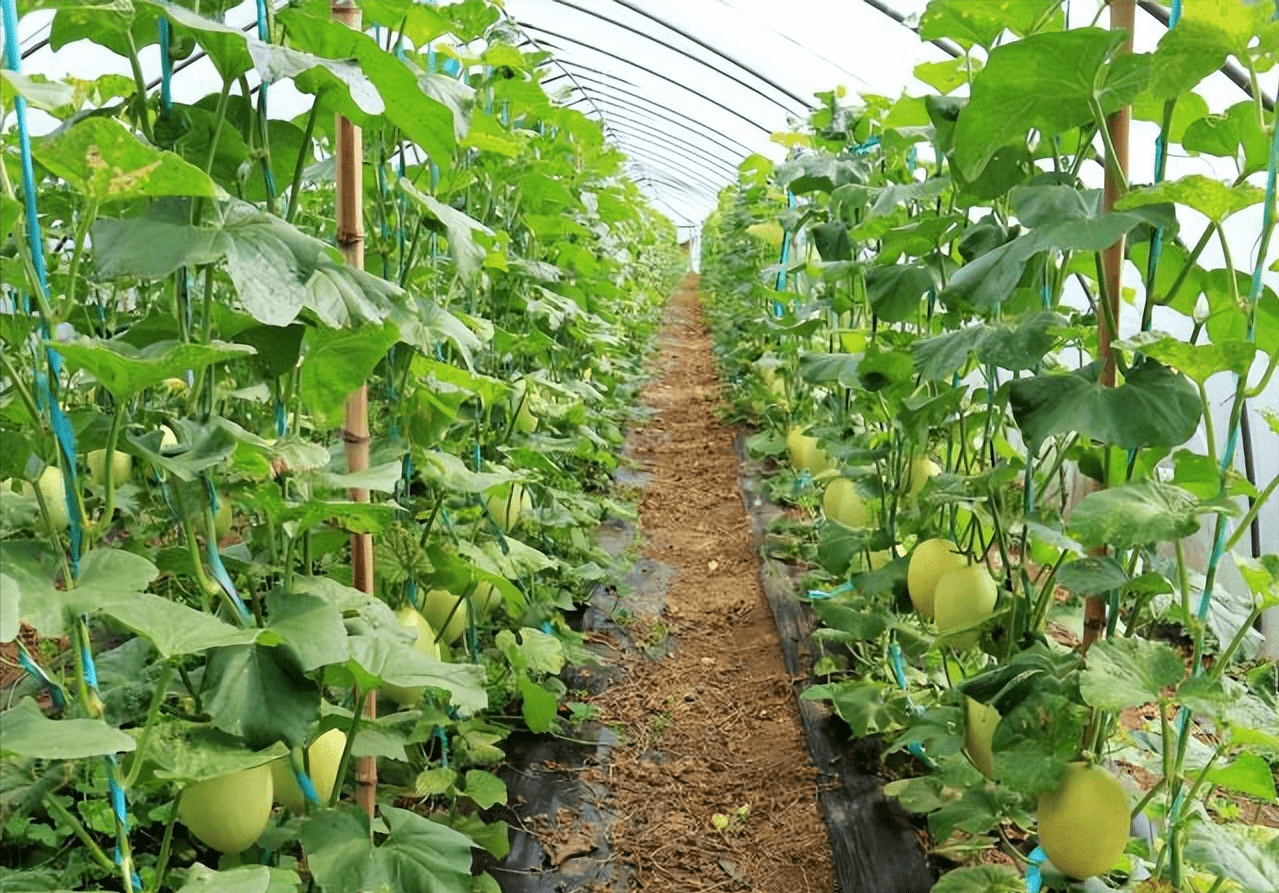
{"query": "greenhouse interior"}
(534, 446)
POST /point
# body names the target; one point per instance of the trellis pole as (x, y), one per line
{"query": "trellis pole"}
(355, 426)
(1122, 18)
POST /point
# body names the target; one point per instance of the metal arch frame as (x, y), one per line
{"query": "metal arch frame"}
(805, 103)
(662, 188)
(692, 124)
(642, 146)
(634, 64)
(675, 191)
(692, 153)
(617, 108)
(942, 44)
(639, 145)
(672, 178)
(796, 99)
(654, 149)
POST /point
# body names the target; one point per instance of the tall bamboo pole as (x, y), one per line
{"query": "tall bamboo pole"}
(355, 427)
(1122, 18)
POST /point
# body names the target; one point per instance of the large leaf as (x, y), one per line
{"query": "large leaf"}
(278, 271)
(338, 361)
(1198, 361)
(1135, 513)
(1045, 82)
(458, 227)
(376, 659)
(260, 694)
(980, 879)
(1207, 195)
(1015, 345)
(1205, 35)
(418, 854)
(1036, 740)
(420, 116)
(311, 625)
(895, 291)
(26, 732)
(1154, 407)
(1236, 134)
(1129, 672)
(982, 22)
(124, 370)
(186, 752)
(1247, 855)
(104, 161)
(1064, 220)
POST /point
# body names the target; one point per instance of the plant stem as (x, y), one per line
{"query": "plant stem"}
(62, 814)
(344, 763)
(157, 698)
(299, 168)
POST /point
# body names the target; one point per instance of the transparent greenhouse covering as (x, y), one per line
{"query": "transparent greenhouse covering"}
(688, 90)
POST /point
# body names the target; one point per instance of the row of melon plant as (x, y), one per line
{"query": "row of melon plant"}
(180, 338)
(928, 366)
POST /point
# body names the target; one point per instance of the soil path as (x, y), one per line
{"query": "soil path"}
(713, 776)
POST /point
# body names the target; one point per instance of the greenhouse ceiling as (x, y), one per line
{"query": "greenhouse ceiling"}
(689, 89)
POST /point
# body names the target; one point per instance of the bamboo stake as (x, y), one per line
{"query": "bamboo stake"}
(1122, 18)
(355, 427)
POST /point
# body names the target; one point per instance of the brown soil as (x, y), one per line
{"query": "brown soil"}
(711, 734)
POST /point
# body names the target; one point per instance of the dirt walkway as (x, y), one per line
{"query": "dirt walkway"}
(713, 774)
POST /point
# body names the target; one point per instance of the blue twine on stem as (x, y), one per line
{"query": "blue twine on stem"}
(1034, 875)
(166, 69)
(898, 664)
(304, 784)
(215, 559)
(818, 594)
(34, 671)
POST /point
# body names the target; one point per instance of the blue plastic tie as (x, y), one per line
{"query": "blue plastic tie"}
(215, 560)
(12, 58)
(1254, 295)
(444, 745)
(33, 670)
(547, 628)
(281, 419)
(476, 455)
(305, 785)
(166, 69)
(1034, 875)
(899, 664)
(785, 257)
(863, 148)
(818, 594)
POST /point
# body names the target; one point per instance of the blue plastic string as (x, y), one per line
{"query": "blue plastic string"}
(215, 559)
(1254, 295)
(1034, 875)
(863, 148)
(818, 594)
(304, 784)
(281, 419)
(12, 58)
(36, 672)
(898, 664)
(785, 257)
(263, 35)
(166, 69)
